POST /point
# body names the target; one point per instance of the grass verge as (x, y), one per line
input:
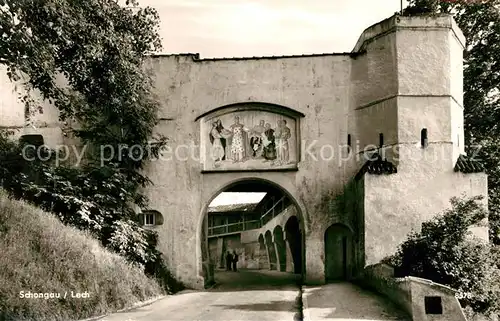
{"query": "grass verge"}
(38, 254)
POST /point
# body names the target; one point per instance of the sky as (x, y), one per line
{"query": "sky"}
(245, 28)
(242, 28)
(237, 198)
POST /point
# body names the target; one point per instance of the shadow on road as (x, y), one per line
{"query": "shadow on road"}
(268, 306)
(250, 280)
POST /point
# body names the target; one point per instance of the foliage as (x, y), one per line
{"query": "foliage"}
(46, 256)
(445, 252)
(83, 199)
(86, 58)
(480, 22)
(89, 199)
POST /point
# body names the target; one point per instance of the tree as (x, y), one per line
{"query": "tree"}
(479, 20)
(445, 252)
(99, 47)
(87, 58)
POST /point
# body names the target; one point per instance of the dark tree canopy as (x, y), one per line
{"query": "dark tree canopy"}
(99, 47)
(86, 57)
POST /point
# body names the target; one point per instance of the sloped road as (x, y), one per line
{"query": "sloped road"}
(243, 295)
(265, 295)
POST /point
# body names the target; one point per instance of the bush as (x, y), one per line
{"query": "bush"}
(40, 254)
(445, 252)
(93, 199)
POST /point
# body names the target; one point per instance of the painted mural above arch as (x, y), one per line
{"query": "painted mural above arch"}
(250, 137)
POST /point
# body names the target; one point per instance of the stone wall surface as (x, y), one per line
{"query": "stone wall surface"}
(379, 278)
(397, 204)
(409, 293)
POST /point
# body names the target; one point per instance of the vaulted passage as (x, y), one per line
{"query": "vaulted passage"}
(262, 232)
(293, 237)
(338, 253)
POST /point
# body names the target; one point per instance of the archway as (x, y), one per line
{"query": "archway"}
(271, 251)
(280, 246)
(255, 231)
(293, 233)
(338, 253)
(263, 257)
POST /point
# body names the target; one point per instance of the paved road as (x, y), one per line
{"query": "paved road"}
(243, 295)
(346, 301)
(265, 295)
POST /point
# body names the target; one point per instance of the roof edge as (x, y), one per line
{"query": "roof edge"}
(196, 56)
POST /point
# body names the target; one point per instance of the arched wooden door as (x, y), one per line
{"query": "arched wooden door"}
(338, 253)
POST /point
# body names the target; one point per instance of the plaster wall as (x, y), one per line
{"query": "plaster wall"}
(188, 88)
(380, 118)
(44, 121)
(396, 204)
(249, 239)
(421, 288)
(429, 96)
(409, 293)
(374, 74)
(218, 246)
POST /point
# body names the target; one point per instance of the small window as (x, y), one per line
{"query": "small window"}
(381, 140)
(34, 147)
(35, 140)
(149, 219)
(349, 143)
(423, 137)
(433, 305)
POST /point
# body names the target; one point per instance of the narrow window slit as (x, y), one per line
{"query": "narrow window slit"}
(423, 137)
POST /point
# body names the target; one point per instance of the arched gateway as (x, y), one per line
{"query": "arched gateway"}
(249, 147)
(266, 235)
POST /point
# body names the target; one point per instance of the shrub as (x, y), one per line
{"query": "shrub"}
(446, 252)
(93, 199)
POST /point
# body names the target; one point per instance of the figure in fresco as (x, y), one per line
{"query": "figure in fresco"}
(224, 133)
(217, 151)
(268, 141)
(256, 139)
(239, 140)
(282, 134)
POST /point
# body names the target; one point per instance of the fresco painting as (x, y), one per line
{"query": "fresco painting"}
(250, 140)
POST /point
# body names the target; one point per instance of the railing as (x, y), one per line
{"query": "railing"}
(271, 213)
(233, 228)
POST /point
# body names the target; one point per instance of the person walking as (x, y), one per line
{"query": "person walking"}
(235, 260)
(229, 260)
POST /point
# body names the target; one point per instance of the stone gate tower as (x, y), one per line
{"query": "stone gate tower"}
(375, 143)
(397, 95)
